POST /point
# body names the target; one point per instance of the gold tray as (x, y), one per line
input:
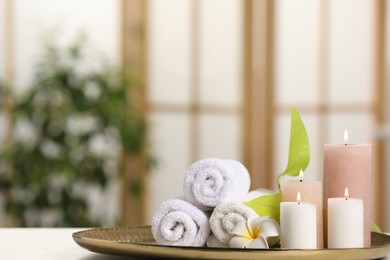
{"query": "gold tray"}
(138, 241)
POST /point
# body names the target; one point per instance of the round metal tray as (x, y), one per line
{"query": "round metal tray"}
(139, 242)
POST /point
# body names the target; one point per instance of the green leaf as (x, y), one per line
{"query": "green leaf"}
(266, 205)
(375, 227)
(299, 150)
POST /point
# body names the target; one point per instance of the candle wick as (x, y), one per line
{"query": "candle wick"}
(300, 180)
(299, 203)
(346, 198)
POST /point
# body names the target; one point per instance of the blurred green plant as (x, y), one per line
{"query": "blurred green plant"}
(75, 122)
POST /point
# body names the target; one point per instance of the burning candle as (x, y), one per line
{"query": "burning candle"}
(349, 165)
(345, 222)
(311, 191)
(298, 224)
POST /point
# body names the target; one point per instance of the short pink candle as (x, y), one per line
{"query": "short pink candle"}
(350, 165)
(311, 191)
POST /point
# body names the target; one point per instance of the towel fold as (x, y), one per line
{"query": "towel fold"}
(212, 241)
(211, 182)
(179, 223)
(225, 217)
(255, 194)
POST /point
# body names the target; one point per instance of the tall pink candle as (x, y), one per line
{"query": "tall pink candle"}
(350, 165)
(311, 191)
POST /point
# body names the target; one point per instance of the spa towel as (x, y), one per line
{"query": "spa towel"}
(179, 223)
(211, 182)
(225, 217)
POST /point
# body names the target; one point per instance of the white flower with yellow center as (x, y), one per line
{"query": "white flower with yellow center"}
(258, 232)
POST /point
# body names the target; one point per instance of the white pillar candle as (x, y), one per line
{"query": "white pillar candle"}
(311, 191)
(298, 225)
(345, 222)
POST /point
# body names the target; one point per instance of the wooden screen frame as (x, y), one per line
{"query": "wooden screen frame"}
(259, 96)
(378, 61)
(133, 54)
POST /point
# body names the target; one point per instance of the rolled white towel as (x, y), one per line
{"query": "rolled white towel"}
(211, 182)
(179, 223)
(225, 217)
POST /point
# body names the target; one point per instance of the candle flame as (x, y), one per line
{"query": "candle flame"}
(301, 175)
(346, 193)
(345, 137)
(299, 197)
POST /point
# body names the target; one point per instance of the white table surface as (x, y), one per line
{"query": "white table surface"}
(45, 244)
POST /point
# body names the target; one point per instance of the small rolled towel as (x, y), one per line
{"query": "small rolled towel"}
(225, 217)
(179, 223)
(211, 182)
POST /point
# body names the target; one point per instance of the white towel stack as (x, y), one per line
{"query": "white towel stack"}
(210, 187)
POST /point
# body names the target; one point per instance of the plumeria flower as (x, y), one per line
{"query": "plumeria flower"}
(256, 232)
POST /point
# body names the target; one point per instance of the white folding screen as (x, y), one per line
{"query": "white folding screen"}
(297, 42)
(169, 81)
(169, 48)
(323, 65)
(212, 115)
(296, 80)
(300, 39)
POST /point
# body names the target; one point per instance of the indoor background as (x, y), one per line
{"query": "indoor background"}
(216, 79)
